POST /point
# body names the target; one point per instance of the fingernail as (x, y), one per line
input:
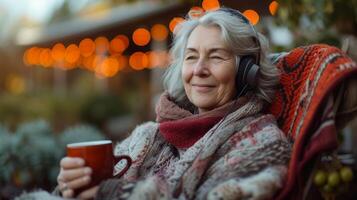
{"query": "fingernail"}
(87, 170)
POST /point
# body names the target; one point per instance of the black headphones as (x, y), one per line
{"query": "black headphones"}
(248, 68)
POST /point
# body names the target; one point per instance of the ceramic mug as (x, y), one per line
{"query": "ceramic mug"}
(98, 155)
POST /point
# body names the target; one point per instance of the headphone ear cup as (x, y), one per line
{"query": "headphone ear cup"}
(247, 73)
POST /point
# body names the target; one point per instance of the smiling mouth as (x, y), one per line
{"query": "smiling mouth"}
(202, 87)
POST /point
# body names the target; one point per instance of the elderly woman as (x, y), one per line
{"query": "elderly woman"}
(211, 139)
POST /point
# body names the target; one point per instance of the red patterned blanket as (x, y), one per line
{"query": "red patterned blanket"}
(309, 76)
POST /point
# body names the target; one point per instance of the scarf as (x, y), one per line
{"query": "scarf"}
(181, 128)
(242, 143)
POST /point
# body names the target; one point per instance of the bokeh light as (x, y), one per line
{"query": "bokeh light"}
(210, 5)
(141, 37)
(273, 7)
(122, 61)
(33, 56)
(88, 62)
(46, 58)
(101, 44)
(109, 67)
(252, 16)
(15, 84)
(87, 47)
(97, 61)
(138, 60)
(58, 52)
(117, 45)
(124, 39)
(159, 32)
(174, 22)
(157, 58)
(72, 54)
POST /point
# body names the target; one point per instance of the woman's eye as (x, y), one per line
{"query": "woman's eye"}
(216, 57)
(190, 57)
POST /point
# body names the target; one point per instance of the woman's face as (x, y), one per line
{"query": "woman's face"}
(208, 71)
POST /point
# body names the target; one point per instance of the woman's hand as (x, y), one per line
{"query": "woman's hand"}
(73, 175)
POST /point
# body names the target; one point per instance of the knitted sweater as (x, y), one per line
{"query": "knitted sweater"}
(244, 156)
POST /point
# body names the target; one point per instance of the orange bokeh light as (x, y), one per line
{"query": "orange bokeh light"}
(101, 44)
(72, 54)
(124, 39)
(58, 52)
(138, 60)
(273, 7)
(159, 32)
(46, 58)
(157, 58)
(87, 47)
(252, 15)
(117, 45)
(88, 62)
(210, 5)
(97, 61)
(122, 61)
(141, 37)
(33, 56)
(109, 67)
(174, 22)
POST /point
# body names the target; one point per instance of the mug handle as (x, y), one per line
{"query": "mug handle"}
(128, 164)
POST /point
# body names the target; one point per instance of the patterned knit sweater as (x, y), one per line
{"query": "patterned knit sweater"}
(244, 156)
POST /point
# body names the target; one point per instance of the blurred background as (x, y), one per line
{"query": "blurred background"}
(78, 70)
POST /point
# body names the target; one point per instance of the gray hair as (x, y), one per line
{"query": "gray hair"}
(238, 36)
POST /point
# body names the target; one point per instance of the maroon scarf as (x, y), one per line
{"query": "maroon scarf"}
(181, 128)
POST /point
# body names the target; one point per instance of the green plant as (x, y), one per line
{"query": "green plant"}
(100, 108)
(79, 133)
(318, 21)
(29, 157)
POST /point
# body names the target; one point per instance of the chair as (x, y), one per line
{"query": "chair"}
(310, 94)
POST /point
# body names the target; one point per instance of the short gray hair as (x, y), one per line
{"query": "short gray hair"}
(239, 37)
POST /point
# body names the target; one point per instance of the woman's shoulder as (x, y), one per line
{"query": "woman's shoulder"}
(264, 125)
(142, 134)
(145, 129)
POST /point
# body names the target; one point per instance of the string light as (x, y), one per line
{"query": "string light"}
(138, 60)
(252, 15)
(109, 67)
(101, 44)
(174, 22)
(87, 47)
(46, 58)
(159, 32)
(209, 5)
(72, 54)
(273, 7)
(141, 37)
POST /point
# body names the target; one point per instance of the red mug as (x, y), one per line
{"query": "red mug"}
(98, 155)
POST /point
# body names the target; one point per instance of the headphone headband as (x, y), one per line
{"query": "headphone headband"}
(238, 14)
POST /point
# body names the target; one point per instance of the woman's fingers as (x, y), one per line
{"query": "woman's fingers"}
(77, 183)
(68, 193)
(70, 163)
(88, 194)
(71, 174)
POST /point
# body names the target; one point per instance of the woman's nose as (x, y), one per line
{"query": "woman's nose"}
(201, 68)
